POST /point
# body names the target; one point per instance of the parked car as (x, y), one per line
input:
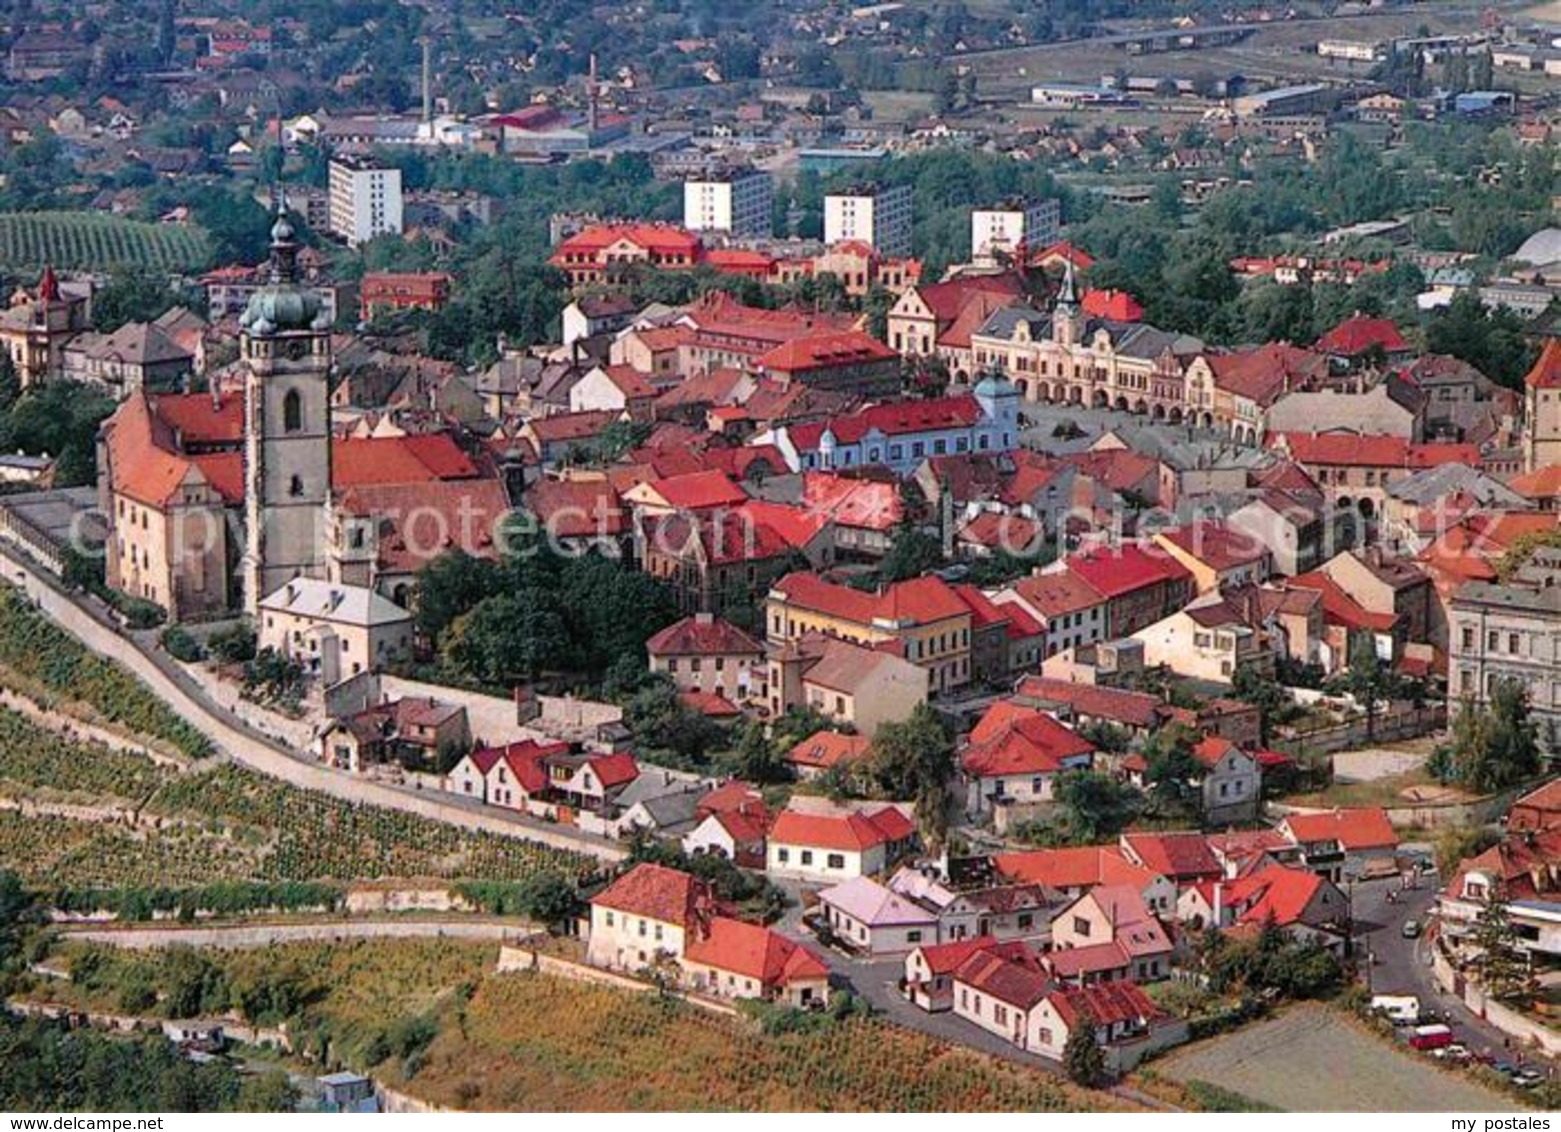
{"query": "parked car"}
(1528, 1077)
(1411, 929)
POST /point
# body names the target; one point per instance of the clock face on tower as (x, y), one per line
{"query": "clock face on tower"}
(295, 349)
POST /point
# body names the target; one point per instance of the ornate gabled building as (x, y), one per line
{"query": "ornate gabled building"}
(36, 327)
(1068, 357)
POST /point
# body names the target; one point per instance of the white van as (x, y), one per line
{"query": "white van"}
(1400, 1009)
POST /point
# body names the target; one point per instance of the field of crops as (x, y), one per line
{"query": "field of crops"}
(98, 241)
(43, 661)
(35, 761)
(532, 1041)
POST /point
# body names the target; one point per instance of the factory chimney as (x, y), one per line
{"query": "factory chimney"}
(591, 95)
(428, 84)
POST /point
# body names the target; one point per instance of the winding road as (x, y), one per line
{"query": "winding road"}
(83, 619)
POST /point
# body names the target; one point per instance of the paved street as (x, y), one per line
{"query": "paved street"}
(1403, 966)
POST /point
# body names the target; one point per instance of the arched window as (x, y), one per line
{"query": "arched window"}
(296, 488)
(292, 411)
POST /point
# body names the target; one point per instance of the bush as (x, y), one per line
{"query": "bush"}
(234, 645)
(181, 645)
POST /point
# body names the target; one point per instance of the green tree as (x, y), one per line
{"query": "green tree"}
(1262, 692)
(1170, 767)
(506, 638)
(1097, 806)
(449, 586)
(914, 758)
(668, 729)
(1498, 746)
(548, 898)
(758, 758)
(1082, 1058)
(1503, 963)
(271, 1091)
(1368, 680)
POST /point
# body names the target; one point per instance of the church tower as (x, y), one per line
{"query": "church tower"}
(1542, 409)
(1067, 316)
(285, 344)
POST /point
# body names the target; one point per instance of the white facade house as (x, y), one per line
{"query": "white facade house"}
(1002, 228)
(334, 630)
(738, 203)
(876, 215)
(365, 200)
(870, 918)
(828, 847)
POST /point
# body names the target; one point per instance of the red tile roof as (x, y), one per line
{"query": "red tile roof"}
(1115, 571)
(828, 749)
(662, 239)
(1082, 867)
(711, 704)
(723, 536)
(824, 350)
(577, 508)
(524, 760)
(1059, 594)
(1360, 829)
(1358, 334)
(417, 522)
(893, 419)
(658, 893)
(702, 636)
(1218, 546)
(696, 491)
(1340, 608)
(1118, 306)
(995, 530)
(1012, 739)
(370, 461)
(1179, 856)
(946, 958)
(1346, 449)
(916, 601)
(853, 831)
(1546, 370)
(1105, 1004)
(197, 421)
(1019, 981)
(1276, 892)
(754, 952)
(1132, 709)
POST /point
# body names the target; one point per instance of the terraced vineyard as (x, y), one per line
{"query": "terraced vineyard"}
(47, 664)
(98, 241)
(312, 836)
(35, 761)
(52, 852)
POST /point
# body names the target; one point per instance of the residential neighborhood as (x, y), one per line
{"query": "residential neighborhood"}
(790, 557)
